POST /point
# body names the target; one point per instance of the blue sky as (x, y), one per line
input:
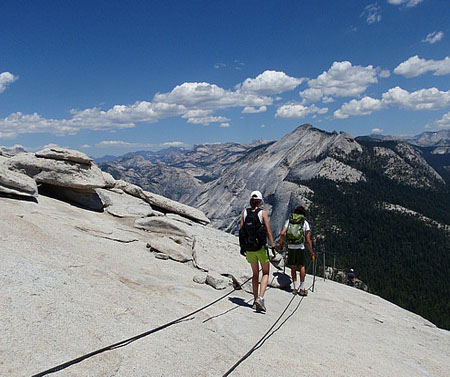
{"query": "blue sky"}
(109, 77)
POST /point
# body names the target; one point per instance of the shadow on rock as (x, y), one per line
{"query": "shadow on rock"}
(239, 301)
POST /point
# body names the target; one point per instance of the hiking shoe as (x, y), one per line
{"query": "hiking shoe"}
(294, 291)
(254, 305)
(260, 304)
(303, 292)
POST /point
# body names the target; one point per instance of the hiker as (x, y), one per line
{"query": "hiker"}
(297, 230)
(351, 278)
(253, 234)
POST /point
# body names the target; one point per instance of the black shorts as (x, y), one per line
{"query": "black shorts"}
(296, 257)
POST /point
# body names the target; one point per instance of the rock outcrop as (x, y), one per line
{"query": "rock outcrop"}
(63, 173)
(65, 155)
(16, 183)
(161, 203)
(72, 176)
(120, 204)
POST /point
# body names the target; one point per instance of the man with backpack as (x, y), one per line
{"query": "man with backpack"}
(297, 231)
(351, 278)
(253, 234)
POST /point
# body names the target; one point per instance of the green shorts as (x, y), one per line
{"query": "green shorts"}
(257, 256)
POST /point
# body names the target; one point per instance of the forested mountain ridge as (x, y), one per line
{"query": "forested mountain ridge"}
(350, 187)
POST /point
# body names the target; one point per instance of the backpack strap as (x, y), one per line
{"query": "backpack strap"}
(256, 212)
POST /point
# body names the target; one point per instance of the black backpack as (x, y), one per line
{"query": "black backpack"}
(252, 236)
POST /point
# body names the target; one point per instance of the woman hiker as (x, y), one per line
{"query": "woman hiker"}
(298, 231)
(253, 234)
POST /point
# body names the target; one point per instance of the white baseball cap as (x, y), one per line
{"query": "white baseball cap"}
(256, 195)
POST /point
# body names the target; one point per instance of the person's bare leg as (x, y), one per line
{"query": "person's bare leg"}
(294, 275)
(302, 274)
(302, 290)
(265, 278)
(255, 279)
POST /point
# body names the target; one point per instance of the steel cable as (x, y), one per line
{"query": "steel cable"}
(134, 338)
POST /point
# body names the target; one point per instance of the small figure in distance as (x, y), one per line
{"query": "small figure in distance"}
(350, 278)
(297, 231)
(253, 234)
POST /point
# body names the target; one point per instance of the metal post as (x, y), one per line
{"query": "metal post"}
(334, 264)
(324, 266)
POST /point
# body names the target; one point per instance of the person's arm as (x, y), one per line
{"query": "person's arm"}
(309, 244)
(242, 219)
(269, 232)
(283, 233)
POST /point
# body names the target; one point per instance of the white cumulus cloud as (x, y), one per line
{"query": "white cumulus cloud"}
(311, 95)
(172, 144)
(205, 96)
(6, 78)
(342, 80)
(407, 3)
(416, 66)
(224, 125)
(205, 121)
(385, 73)
(297, 110)
(270, 82)
(419, 100)
(444, 122)
(364, 106)
(433, 37)
(423, 99)
(122, 144)
(376, 131)
(254, 110)
(196, 113)
(18, 123)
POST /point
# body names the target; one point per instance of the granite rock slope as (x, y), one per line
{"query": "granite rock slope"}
(71, 285)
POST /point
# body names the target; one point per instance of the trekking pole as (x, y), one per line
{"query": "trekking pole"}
(314, 273)
(324, 266)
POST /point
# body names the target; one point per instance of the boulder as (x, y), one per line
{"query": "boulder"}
(63, 154)
(339, 276)
(161, 225)
(175, 207)
(109, 180)
(129, 188)
(176, 248)
(200, 278)
(162, 203)
(15, 183)
(217, 281)
(58, 172)
(121, 204)
(242, 281)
